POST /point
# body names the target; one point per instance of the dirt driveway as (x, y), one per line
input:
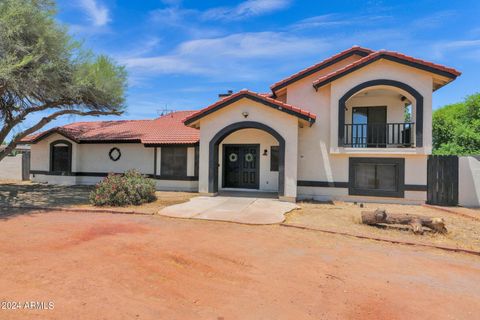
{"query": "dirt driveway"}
(115, 266)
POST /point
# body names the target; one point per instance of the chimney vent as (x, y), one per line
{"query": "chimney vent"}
(224, 95)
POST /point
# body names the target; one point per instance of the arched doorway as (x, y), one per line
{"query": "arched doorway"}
(416, 96)
(222, 134)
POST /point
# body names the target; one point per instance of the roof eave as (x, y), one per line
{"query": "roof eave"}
(363, 52)
(451, 75)
(189, 121)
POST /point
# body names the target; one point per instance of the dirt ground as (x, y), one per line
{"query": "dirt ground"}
(463, 232)
(113, 266)
(21, 194)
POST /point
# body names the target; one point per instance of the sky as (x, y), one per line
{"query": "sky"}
(181, 54)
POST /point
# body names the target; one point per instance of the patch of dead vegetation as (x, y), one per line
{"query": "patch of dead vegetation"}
(463, 232)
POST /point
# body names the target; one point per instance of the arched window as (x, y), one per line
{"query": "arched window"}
(61, 157)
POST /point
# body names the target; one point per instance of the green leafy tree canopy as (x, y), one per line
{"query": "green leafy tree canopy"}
(43, 69)
(456, 128)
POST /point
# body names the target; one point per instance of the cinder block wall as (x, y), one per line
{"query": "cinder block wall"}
(11, 168)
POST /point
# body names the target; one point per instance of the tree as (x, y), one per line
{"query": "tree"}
(456, 128)
(43, 70)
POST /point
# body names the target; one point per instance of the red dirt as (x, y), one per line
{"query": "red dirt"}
(106, 266)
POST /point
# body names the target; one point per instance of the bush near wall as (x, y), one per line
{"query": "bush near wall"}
(131, 188)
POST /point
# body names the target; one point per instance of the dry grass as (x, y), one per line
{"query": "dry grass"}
(164, 199)
(463, 232)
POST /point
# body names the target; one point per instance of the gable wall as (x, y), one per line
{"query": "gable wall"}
(286, 125)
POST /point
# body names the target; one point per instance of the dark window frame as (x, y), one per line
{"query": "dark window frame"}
(182, 174)
(52, 150)
(274, 166)
(400, 174)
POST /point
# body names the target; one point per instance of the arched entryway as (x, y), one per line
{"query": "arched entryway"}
(410, 91)
(226, 131)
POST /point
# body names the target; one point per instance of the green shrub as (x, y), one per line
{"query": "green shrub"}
(131, 188)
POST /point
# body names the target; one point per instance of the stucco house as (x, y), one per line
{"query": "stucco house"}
(356, 126)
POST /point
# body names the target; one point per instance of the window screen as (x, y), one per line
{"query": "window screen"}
(173, 161)
(377, 177)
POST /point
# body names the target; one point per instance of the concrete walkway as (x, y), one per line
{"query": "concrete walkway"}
(248, 210)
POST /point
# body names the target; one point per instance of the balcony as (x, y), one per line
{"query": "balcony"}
(379, 135)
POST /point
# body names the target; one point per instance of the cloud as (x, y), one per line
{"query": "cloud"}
(434, 20)
(246, 9)
(240, 56)
(466, 48)
(336, 20)
(97, 13)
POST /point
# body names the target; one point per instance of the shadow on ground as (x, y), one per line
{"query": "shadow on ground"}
(15, 198)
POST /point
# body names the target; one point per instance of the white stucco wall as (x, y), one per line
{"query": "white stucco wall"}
(337, 170)
(268, 180)
(320, 159)
(469, 181)
(286, 125)
(40, 153)
(94, 158)
(419, 80)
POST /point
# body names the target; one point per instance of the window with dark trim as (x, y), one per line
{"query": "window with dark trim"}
(382, 177)
(274, 152)
(61, 157)
(173, 161)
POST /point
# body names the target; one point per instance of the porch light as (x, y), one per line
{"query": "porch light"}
(245, 114)
(265, 152)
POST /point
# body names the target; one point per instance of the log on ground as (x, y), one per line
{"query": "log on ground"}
(417, 222)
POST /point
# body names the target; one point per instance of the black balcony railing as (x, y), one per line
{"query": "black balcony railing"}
(379, 135)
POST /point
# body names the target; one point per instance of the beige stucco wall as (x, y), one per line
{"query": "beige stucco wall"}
(268, 180)
(285, 124)
(469, 181)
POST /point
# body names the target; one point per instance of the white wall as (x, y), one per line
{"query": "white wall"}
(94, 158)
(336, 169)
(420, 80)
(40, 153)
(469, 181)
(11, 168)
(286, 125)
(268, 180)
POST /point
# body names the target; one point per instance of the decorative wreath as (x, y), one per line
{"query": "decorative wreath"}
(249, 157)
(114, 154)
(233, 157)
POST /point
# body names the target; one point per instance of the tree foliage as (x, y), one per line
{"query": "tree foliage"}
(43, 69)
(456, 128)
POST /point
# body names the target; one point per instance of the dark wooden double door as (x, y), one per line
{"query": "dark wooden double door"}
(241, 166)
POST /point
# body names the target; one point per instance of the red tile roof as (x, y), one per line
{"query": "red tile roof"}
(317, 67)
(261, 98)
(390, 55)
(168, 129)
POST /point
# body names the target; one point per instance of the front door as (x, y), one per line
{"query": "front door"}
(241, 166)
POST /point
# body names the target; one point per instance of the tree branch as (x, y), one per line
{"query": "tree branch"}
(11, 146)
